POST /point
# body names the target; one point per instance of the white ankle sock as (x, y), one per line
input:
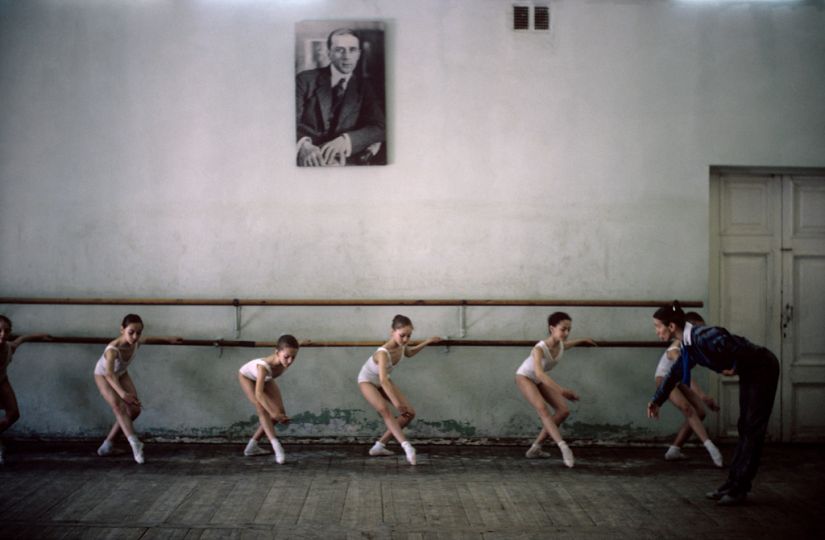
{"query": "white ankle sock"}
(535, 451)
(409, 451)
(253, 449)
(379, 449)
(673, 453)
(280, 457)
(105, 448)
(715, 454)
(566, 454)
(137, 448)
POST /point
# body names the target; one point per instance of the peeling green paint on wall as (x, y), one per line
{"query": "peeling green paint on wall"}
(327, 423)
(328, 416)
(581, 430)
(443, 428)
(355, 424)
(237, 431)
(332, 422)
(243, 428)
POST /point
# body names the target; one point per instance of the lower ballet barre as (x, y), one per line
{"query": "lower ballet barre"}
(309, 343)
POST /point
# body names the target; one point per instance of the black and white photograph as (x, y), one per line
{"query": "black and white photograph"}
(340, 112)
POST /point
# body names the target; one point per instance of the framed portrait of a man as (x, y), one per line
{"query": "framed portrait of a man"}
(340, 103)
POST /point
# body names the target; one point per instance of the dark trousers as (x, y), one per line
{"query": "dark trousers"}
(758, 379)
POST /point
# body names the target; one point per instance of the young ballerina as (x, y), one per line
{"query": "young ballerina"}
(689, 401)
(380, 391)
(8, 401)
(257, 378)
(116, 386)
(540, 390)
(758, 370)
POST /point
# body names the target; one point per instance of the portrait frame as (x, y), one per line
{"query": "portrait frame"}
(340, 93)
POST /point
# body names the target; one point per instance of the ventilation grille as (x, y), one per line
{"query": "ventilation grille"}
(541, 18)
(531, 18)
(521, 18)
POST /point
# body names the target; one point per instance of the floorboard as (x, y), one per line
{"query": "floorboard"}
(325, 491)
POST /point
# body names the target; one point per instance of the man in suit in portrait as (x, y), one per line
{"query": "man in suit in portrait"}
(339, 117)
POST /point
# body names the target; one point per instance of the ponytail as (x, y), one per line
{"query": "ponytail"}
(671, 314)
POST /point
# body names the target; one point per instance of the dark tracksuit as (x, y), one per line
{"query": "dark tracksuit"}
(758, 370)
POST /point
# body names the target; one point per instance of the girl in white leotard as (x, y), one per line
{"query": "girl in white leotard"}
(381, 392)
(116, 386)
(257, 378)
(690, 401)
(540, 390)
(8, 401)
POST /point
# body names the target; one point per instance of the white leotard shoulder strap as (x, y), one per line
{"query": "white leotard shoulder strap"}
(548, 353)
(375, 360)
(389, 355)
(545, 349)
(117, 351)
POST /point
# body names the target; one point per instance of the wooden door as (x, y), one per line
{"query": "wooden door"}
(747, 219)
(803, 308)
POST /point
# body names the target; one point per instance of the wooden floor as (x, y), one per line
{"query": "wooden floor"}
(212, 491)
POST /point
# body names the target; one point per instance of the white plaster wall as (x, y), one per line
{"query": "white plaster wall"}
(147, 149)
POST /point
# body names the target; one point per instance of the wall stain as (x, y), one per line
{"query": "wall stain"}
(329, 423)
(357, 425)
(604, 432)
(444, 428)
(337, 421)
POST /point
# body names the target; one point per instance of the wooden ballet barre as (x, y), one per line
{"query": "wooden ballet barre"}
(340, 302)
(308, 343)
